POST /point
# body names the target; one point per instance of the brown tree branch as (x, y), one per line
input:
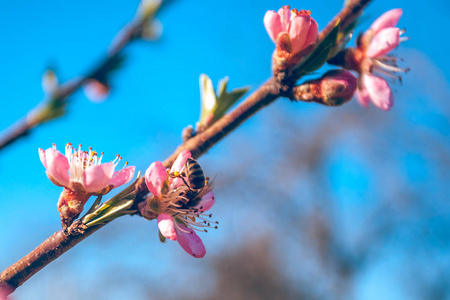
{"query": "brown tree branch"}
(59, 243)
(346, 16)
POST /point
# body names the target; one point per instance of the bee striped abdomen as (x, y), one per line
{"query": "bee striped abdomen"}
(195, 175)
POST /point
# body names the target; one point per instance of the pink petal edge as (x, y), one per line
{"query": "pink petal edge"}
(191, 242)
(387, 20)
(96, 177)
(313, 33)
(155, 176)
(42, 157)
(178, 165)
(57, 166)
(207, 201)
(363, 97)
(298, 31)
(383, 42)
(272, 22)
(379, 91)
(122, 176)
(285, 15)
(167, 227)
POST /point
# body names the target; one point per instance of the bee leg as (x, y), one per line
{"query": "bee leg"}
(182, 178)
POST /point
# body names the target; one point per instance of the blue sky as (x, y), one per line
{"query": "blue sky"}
(156, 94)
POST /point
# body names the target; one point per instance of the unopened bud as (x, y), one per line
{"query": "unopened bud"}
(49, 82)
(294, 33)
(334, 88)
(338, 87)
(96, 91)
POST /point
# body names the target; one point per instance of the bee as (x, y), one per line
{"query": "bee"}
(195, 181)
(194, 175)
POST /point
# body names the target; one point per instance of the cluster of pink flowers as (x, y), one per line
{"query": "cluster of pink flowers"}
(179, 213)
(371, 58)
(291, 30)
(180, 209)
(82, 174)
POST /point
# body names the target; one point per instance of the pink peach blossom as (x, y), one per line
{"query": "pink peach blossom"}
(83, 171)
(82, 175)
(371, 57)
(301, 30)
(180, 211)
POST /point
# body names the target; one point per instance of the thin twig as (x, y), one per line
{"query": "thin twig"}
(59, 243)
(23, 127)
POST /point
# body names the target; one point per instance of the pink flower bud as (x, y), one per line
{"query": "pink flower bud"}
(302, 30)
(96, 91)
(334, 88)
(387, 20)
(337, 87)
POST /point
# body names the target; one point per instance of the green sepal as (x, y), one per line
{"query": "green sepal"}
(113, 208)
(153, 204)
(320, 55)
(162, 238)
(94, 206)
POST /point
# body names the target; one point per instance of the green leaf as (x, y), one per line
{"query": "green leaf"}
(227, 100)
(208, 97)
(113, 208)
(320, 55)
(217, 105)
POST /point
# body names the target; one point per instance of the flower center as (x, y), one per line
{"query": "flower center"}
(182, 204)
(80, 160)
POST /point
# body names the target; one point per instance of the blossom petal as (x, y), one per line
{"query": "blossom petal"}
(272, 22)
(179, 163)
(57, 166)
(207, 201)
(96, 177)
(298, 31)
(313, 33)
(285, 14)
(387, 20)
(383, 42)
(42, 157)
(122, 176)
(167, 227)
(178, 166)
(363, 97)
(190, 242)
(379, 91)
(155, 176)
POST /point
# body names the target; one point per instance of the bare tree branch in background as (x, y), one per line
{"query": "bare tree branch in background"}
(55, 106)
